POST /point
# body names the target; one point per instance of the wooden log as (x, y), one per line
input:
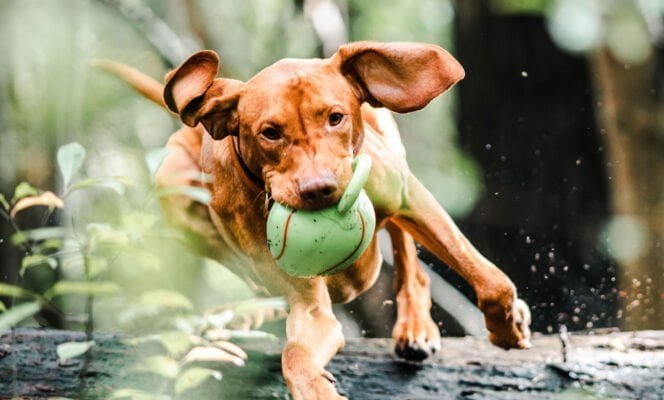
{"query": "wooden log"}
(610, 365)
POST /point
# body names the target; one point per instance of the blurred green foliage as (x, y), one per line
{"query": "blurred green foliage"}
(49, 95)
(104, 262)
(110, 263)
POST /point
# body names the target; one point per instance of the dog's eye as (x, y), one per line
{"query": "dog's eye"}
(271, 133)
(336, 118)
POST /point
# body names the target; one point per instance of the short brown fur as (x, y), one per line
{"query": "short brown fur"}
(309, 151)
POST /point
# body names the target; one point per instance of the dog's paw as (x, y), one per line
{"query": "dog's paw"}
(321, 387)
(416, 338)
(512, 332)
(308, 385)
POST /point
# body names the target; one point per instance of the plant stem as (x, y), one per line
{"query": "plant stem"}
(89, 327)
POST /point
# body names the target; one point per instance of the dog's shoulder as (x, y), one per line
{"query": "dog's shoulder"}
(380, 121)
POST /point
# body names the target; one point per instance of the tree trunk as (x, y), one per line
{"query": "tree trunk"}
(615, 365)
(527, 116)
(631, 110)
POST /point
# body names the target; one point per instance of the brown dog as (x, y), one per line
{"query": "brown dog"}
(291, 132)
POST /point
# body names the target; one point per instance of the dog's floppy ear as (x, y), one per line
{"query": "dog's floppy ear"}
(401, 76)
(193, 92)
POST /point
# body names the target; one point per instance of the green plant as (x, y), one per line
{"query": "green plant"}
(92, 249)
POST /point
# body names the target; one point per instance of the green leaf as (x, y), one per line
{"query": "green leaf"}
(212, 354)
(104, 234)
(18, 313)
(13, 291)
(161, 365)
(199, 194)
(133, 394)
(69, 350)
(154, 159)
(3, 308)
(192, 377)
(231, 348)
(3, 202)
(145, 260)
(83, 288)
(50, 244)
(137, 224)
(509, 7)
(176, 342)
(95, 265)
(166, 299)
(71, 261)
(70, 159)
(24, 189)
(250, 335)
(35, 260)
(115, 183)
(138, 314)
(46, 199)
(38, 234)
(220, 319)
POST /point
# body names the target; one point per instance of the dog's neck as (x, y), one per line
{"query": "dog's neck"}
(250, 179)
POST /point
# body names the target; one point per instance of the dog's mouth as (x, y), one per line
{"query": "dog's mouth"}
(308, 193)
(304, 202)
(308, 204)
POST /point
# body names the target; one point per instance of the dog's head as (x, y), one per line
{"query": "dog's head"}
(298, 122)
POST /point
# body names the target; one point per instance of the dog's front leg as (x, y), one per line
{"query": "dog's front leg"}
(313, 337)
(507, 317)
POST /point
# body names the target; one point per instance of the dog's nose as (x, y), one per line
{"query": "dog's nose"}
(319, 190)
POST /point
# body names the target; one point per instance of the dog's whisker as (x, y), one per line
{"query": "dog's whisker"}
(261, 194)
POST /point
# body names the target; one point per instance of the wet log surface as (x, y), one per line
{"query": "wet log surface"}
(627, 365)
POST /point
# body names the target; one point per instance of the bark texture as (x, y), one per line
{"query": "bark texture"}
(601, 365)
(631, 109)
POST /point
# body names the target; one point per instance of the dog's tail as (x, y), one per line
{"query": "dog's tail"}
(144, 84)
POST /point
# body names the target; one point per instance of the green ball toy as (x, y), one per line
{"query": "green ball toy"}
(308, 243)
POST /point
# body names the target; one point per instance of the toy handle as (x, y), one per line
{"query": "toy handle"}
(361, 168)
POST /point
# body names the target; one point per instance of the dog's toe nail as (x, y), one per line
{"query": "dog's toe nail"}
(328, 375)
(435, 346)
(411, 351)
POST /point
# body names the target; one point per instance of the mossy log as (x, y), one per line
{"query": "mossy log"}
(609, 365)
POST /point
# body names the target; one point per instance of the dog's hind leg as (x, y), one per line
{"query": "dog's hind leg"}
(415, 334)
(507, 318)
